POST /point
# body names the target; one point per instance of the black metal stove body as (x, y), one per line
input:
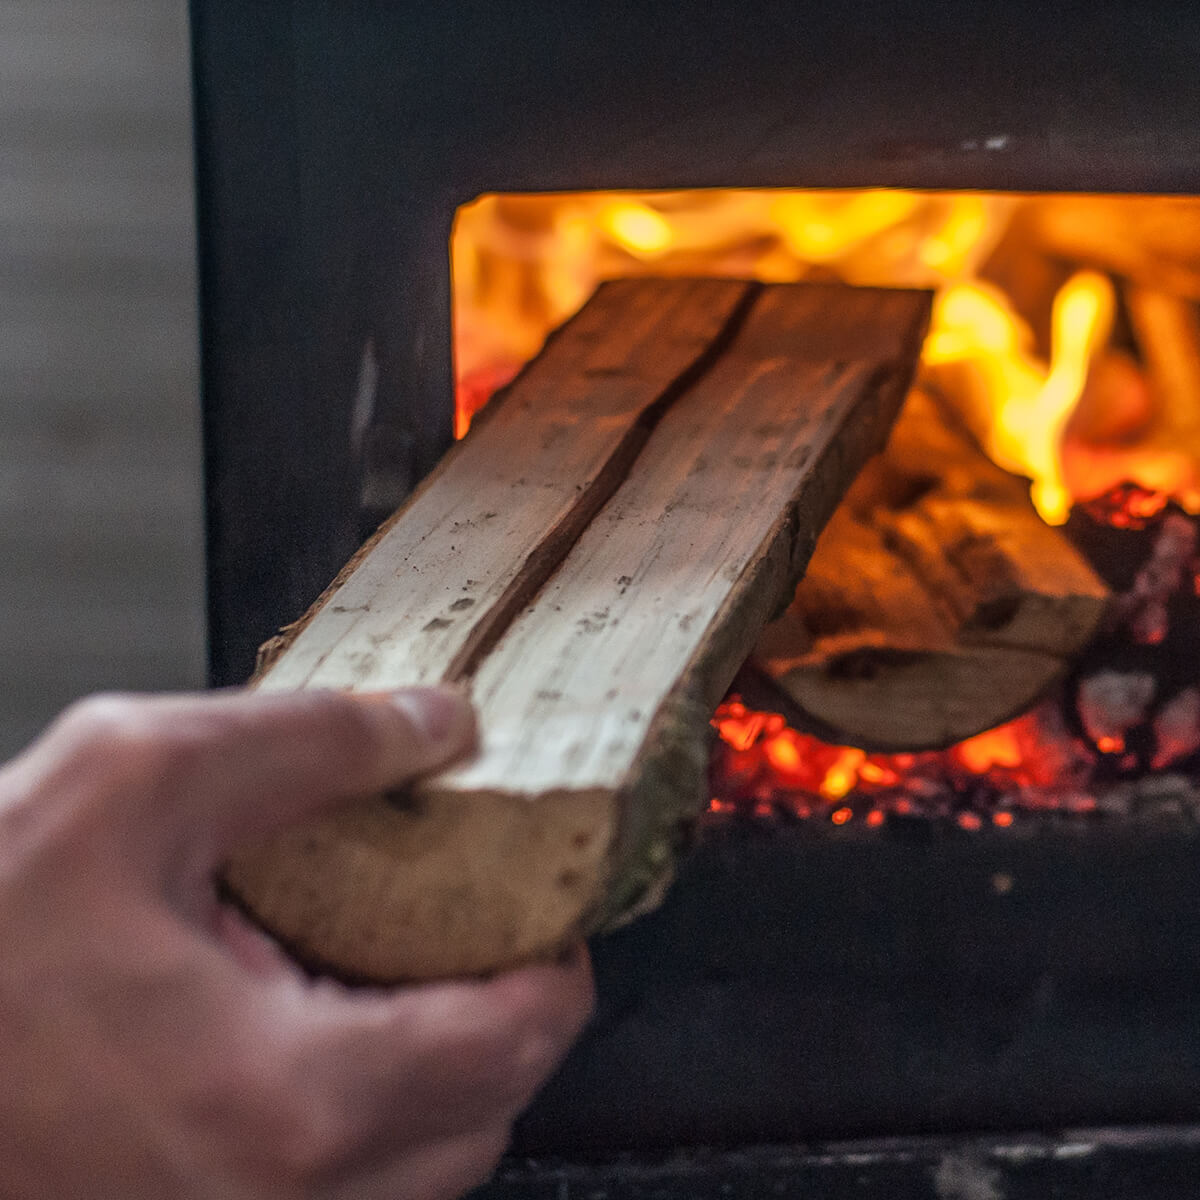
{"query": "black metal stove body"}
(858, 985)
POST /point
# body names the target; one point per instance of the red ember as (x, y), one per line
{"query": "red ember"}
(763, 766)
(1127, 506)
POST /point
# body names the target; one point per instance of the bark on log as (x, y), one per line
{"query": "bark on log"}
(937, 604)
(595, 561)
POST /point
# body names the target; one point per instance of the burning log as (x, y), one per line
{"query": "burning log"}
(594, 561)
(1152, 240)
(1167, 331)
(938, 604)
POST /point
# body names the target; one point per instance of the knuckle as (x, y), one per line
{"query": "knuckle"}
(532, 1061)
(301, 1130)
(293, 1141)
(351, 727)
(95, 718)
(113, 733)
(127, 743)
(507, 1070)
(313, 1141)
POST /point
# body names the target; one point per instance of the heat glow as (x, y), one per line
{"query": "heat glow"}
(1026, 348)
(523, 264)
(766, 766)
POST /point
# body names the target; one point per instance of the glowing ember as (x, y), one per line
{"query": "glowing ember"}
(762, 762)
(1127, 506)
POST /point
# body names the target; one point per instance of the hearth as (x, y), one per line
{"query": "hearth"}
(871, 940)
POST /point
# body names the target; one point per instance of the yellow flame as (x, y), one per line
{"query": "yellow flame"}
(639, 228)
(949, 249)
(1031, 436)
(1025, 404)
(972, 319)
(820, 228)
(523, 264)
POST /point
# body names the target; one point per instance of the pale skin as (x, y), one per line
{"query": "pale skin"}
(154, 1044)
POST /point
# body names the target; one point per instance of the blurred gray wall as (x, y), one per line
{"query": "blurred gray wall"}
(101, 572)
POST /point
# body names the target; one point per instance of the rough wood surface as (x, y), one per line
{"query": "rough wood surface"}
(488, 528)
(938, 603)
(596, 560)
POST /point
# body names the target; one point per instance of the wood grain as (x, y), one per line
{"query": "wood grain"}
(496, 519)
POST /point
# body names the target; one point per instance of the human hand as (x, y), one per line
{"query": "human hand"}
(154, 1044)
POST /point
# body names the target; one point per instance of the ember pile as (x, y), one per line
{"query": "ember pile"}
(1120, 735)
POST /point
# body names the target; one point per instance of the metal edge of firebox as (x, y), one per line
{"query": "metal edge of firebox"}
(1151, 1163)
(335, 140)
(805, 981)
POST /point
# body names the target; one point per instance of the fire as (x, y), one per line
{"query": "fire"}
(1038, 363)
(763, 765)
(523, 264)
(639, 228)
(1024, 405)
(995, 748)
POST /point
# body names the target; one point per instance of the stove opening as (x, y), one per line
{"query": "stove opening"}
(1002, 621)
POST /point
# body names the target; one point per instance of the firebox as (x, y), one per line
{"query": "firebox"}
(911, 939)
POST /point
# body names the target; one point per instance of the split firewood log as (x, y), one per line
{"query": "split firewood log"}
(937, 605)
(594, 562)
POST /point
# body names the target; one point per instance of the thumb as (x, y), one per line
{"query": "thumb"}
(290, 754)
(204, 774)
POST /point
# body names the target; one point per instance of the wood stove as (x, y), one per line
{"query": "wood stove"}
(802, 982)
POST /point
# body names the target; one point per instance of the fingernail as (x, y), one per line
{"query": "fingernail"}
(437, 712)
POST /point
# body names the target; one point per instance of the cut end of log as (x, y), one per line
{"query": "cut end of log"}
(441, 885)
(887, 700)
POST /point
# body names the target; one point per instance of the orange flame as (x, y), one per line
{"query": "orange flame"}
(1023, 405)
(522, 264)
